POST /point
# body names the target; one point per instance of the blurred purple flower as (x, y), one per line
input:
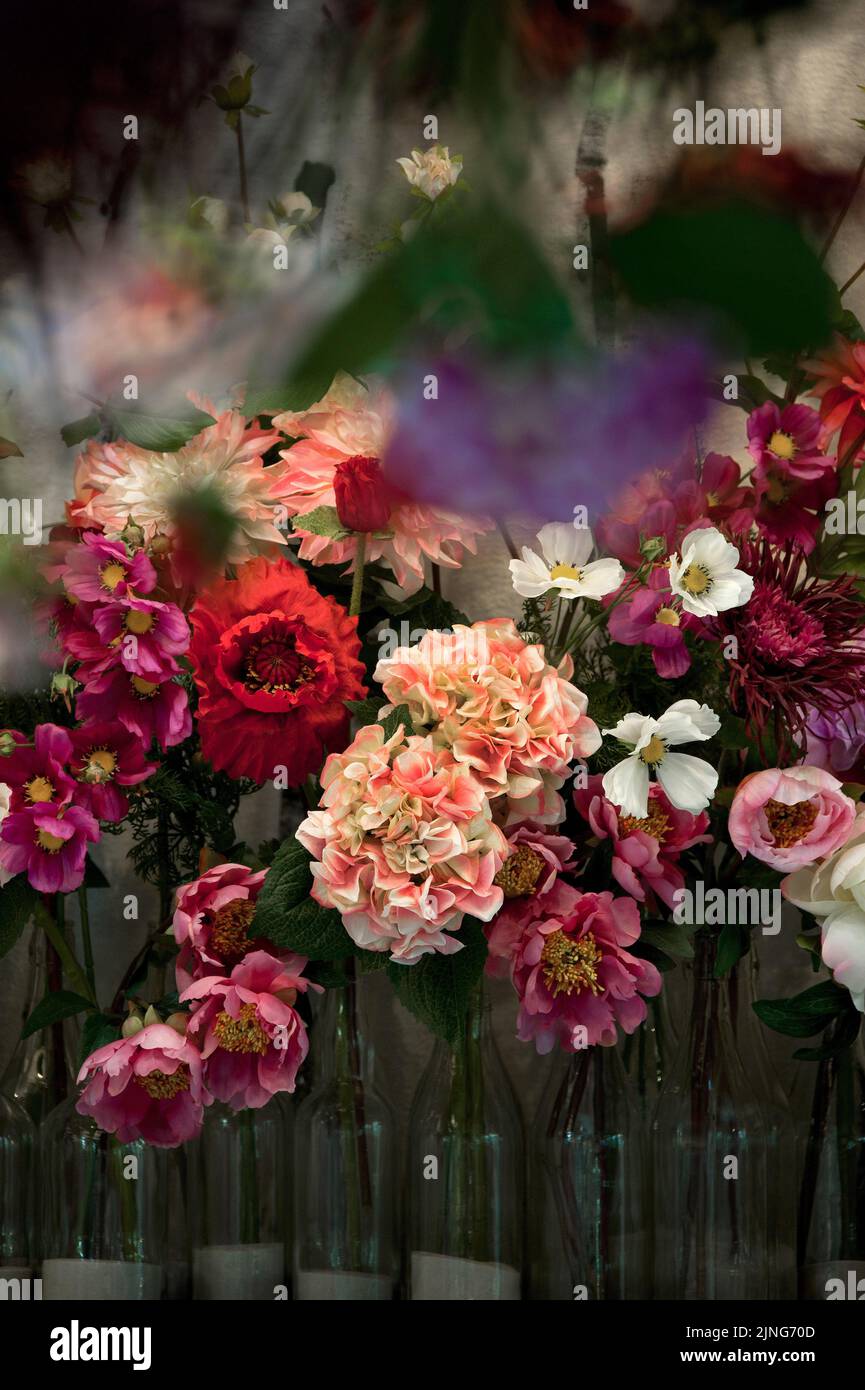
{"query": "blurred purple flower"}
(541, 438)
(835, 739)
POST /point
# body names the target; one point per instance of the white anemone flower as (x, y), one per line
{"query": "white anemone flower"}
(433, 170)
(564, 565)
(689, 782)
(706, 578)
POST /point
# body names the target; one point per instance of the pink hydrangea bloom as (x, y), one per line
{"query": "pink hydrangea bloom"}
(252, 1038)
(790, 817)
(577, 983)
(98, 569)
(497, 703)
(645, 852)
(351, 422)
(148, 1086)
(404, 844)
(49, 844)
(211, 920)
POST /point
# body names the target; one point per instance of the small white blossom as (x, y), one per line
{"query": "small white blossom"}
(564, 565)
(705, 578)
(689, 782)
(432, 170)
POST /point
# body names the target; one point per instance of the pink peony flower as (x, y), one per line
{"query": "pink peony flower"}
(38, 774)
(650, 616)
(354, 423)
(575, 979)
(645, 852)
(211, 919)
(496, 702)
(146, 1087)
(787, 441)
(105, 757)
(98, 569)
(790, 817)
(404, 844)
(154, 711)
(145, 635)
(252, 1039)
(527, 878)
(49, 844)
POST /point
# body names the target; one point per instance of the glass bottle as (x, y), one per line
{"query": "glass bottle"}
(465, 1175)
(714, 1158)
(832, 1197)
(17, 1243)
(239, 1203)
(647, 1053)
(590, 1222)
(345, 1166)
(103, 1211)
(38, 1072)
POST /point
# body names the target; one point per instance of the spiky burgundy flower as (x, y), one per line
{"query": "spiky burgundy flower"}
(800, 645)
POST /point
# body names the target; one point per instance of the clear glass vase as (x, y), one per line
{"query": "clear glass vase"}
(345, 1245)
(590, 1215)
(715, 1157)
(239, 1203)
(466, 1172)
(832, 1197)
(103, 1212)
(38, 1072)
(648, 1052)
(17, 1243)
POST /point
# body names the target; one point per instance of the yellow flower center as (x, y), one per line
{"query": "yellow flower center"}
(782, 445)
(50, 843)
(143, 688)
(654, 752)
(139, 621)
(39, 789)
(101, 766)
(656, 823)
(570, 964)
(668, 616)
(111, 575)
(520, 872)
(696, 579)
(165, 1086)
(564, 572)
(790, 824)
(242, 1034)
(228, 930)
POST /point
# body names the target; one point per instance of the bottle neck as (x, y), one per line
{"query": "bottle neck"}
(39, 1070)
(339, 1032)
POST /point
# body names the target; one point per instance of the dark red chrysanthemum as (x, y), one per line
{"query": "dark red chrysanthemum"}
(800, 644)
(274, 661)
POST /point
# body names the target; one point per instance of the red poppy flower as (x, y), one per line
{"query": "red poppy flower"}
(274, 661)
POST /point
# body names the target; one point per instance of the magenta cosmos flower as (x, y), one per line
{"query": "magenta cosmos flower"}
(146, 1087)
(211, 921)
(106, 756)
(252, 1039)
(49, 844)
(790, 817)
(646, 851)
(98, 569)
(576, 981)
(787, 441)
(37, 771)
(159, 632)
(653, 617)
(152, 710)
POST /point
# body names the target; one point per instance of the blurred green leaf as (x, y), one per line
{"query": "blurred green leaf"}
(60, 1004)
(162, 433)
(78, 430)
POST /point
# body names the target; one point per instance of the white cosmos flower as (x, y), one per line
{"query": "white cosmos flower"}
(564, 565)
(688, 782)
(834, 891)
(705, 577)
(432, 170)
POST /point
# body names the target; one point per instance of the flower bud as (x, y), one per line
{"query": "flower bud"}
(178, 1022)
(132, 1025)
(151, 1016)
(363, 502)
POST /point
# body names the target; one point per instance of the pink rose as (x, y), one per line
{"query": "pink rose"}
(790, 817)
(146, 1087)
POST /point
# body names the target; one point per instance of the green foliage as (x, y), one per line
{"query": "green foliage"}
(79, 430)
(737, 260)
(286, 914)
(17, 903)
(163, 433)
(734, 942)
(806, 1013)
(98, 1030)
(60, 1004)
(437, 989)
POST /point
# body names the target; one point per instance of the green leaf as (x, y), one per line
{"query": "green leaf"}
(845, 1034)
(98, 1030)
(734, 942)
(437, 989)
(161, 433)
(735, 258)
(671, 938)
(59, 1004)
(18, 902)
(299, 392)
(322, 521)
(398, 718)
(286, 914)
(365, 711)
(806, 1013)
(78, 430)
(732, 733)
(9, 449)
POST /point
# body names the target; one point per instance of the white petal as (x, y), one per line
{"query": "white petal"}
(843, 949)
(530, 575)
(700, 717)
(600, 577)
(632, 728)
(689, 782)
(731, 590)
(627, 786)
(558, 542)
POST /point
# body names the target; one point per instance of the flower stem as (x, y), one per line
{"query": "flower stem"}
(241, 160)
(86, 939)
(73, 971)
(357, 581)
